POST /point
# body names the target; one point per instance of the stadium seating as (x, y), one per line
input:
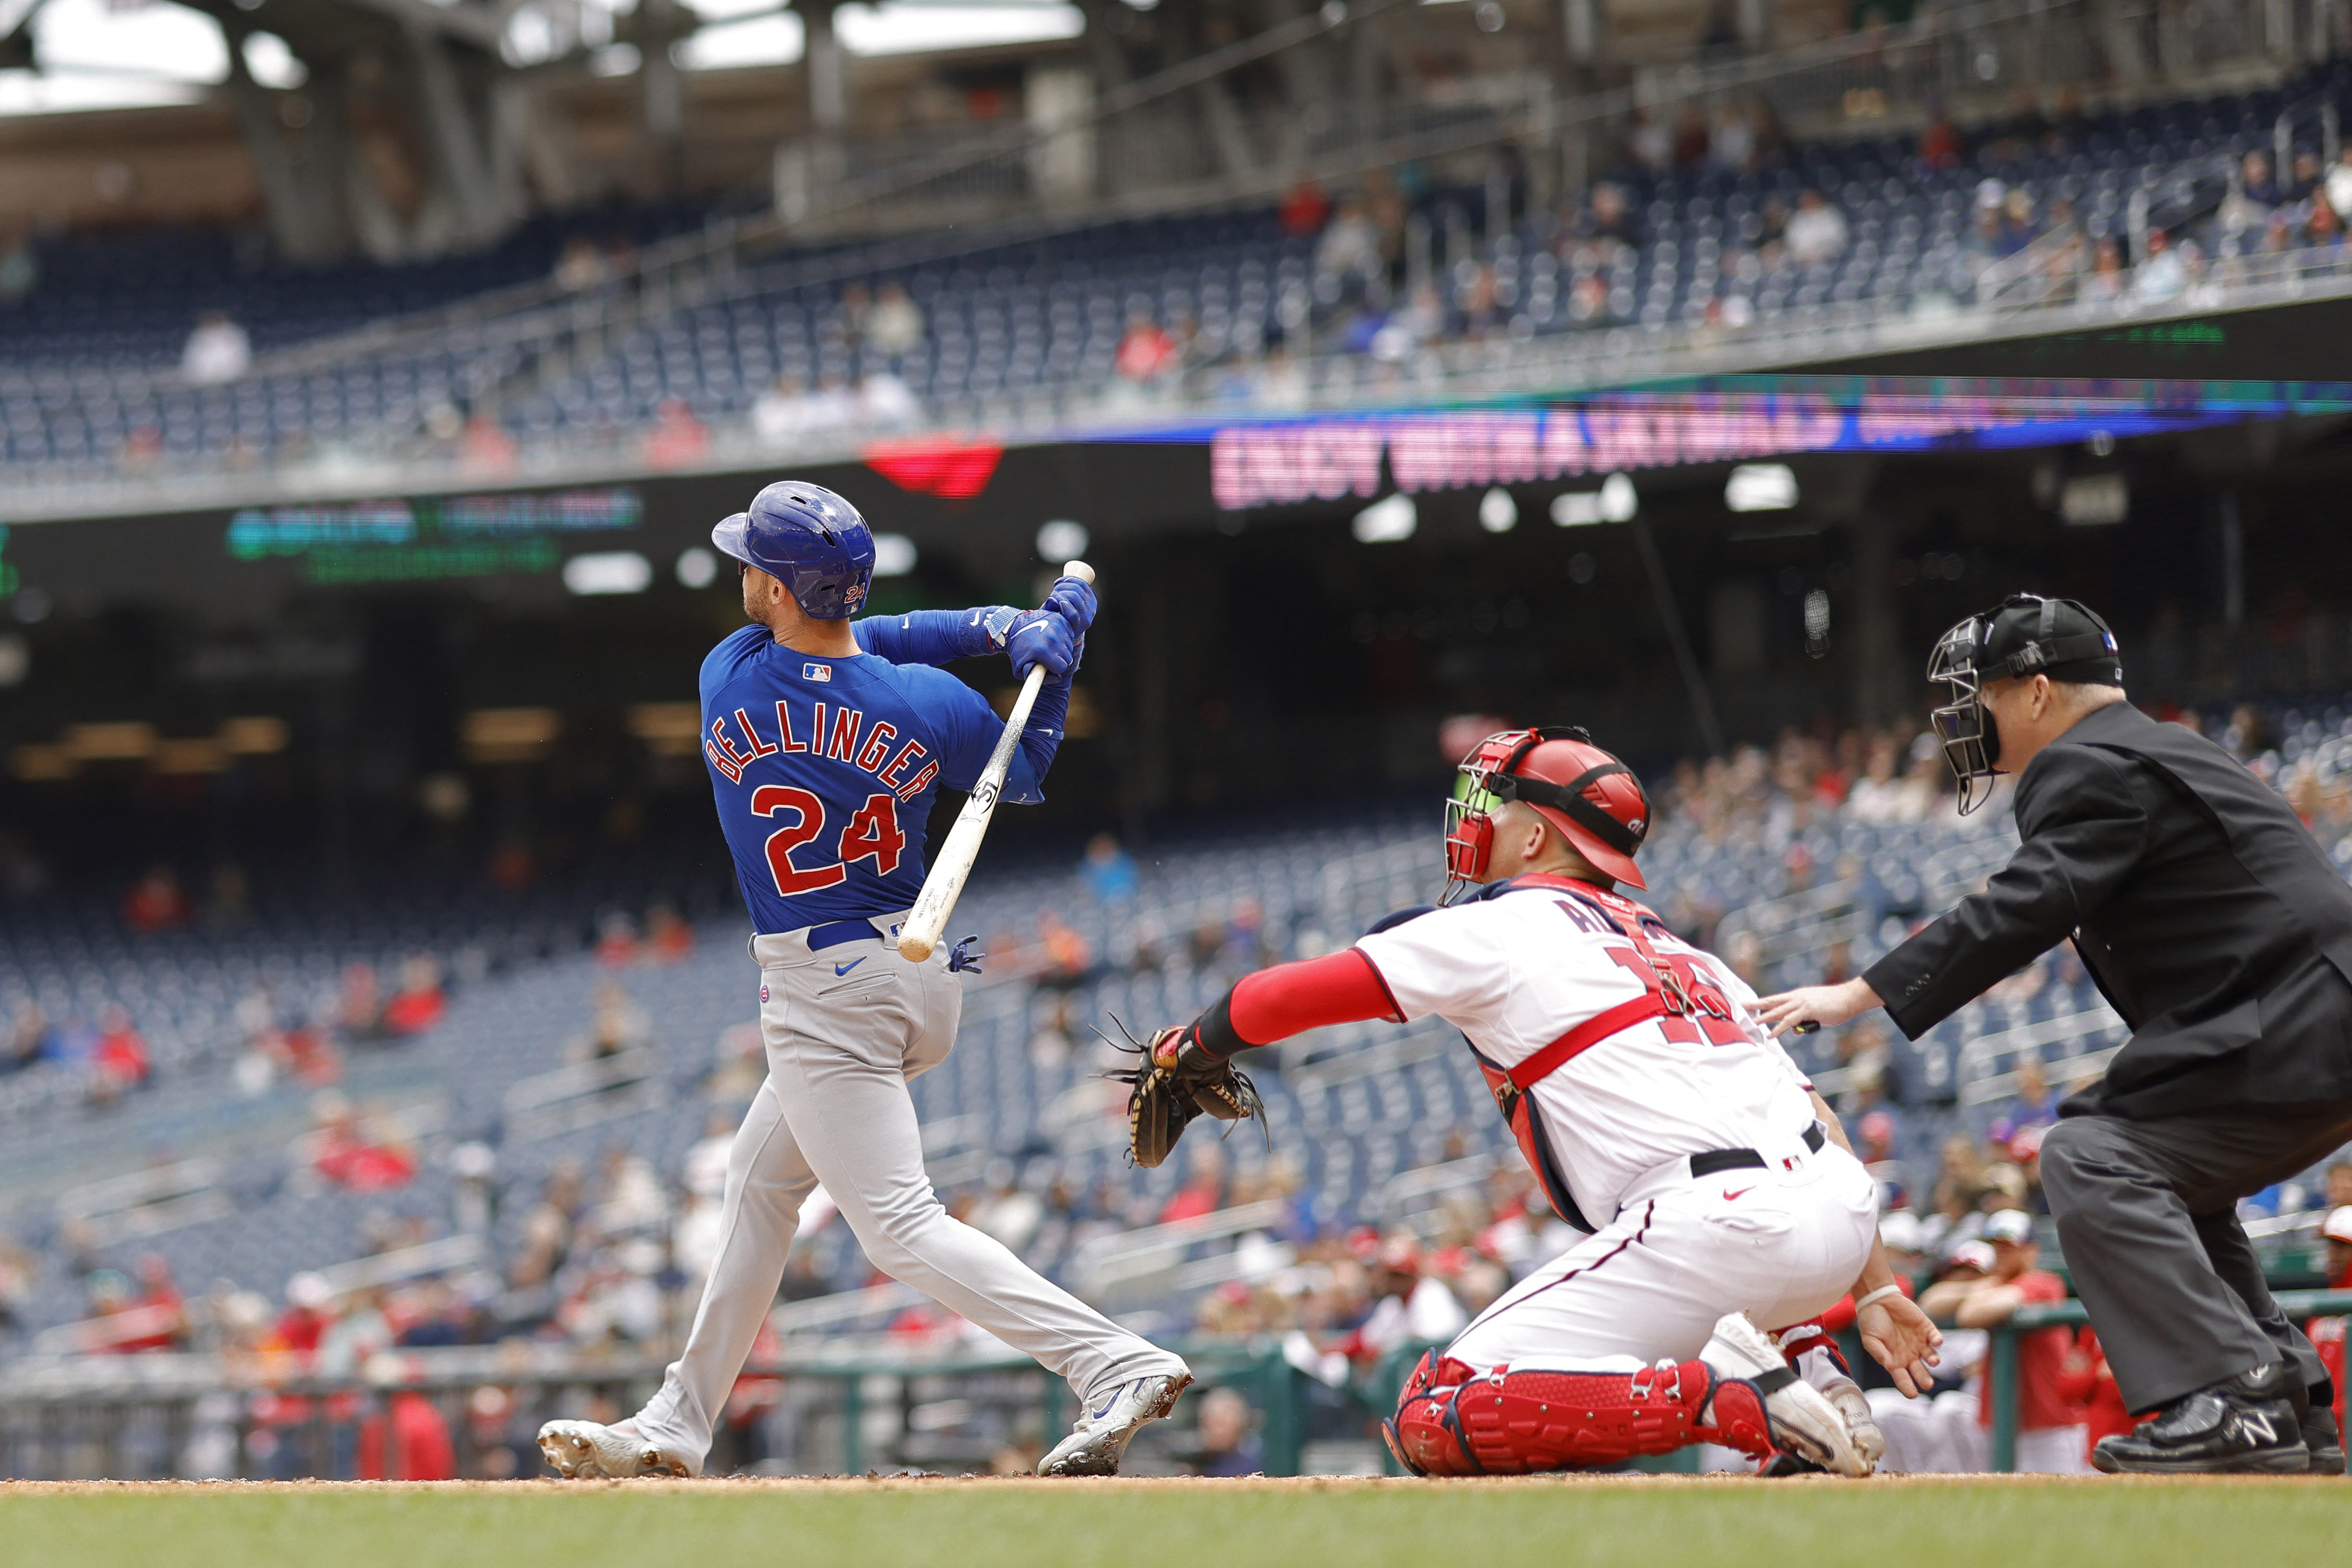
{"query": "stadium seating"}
(84, 361)
(1376, 1120)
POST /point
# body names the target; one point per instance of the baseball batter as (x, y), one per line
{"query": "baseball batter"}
(1715, 1186)
(827, 741)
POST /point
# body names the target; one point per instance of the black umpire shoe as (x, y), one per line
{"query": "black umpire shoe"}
(2324, 1443)
(2250, 1422)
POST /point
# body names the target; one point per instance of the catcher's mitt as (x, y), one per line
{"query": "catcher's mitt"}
(1175, 1081)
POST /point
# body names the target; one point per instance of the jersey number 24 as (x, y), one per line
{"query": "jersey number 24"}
(872, 833)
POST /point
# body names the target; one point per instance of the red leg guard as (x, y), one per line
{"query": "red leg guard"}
(1451, 1422)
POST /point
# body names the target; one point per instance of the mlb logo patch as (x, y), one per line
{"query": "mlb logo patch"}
(816, 671)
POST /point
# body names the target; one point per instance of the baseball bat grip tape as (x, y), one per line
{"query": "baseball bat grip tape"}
(944, 882)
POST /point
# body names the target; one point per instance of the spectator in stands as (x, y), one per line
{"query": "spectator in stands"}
(2329, 1335)
(156, 902)
(360, 1154)
(885, 401)
(1146, 353)
(2256, 181)
(1941, 145)
(419, 1005)
(2108, 278)
(893, 327)
(26, 1040)
(618, 1025)
(1817, 231)
(20, 269)
(1304, 209)
(2165, 274)
(1690, 138)
(2339, 1185)
(2051, 1438)
(218, 351)
(1065, 959)
(2337, 185)
(2088, 1384)
(359, 1010)
(2324, 230)
(668, 938)
(120, 1061)
(404, 1438)
(18, 1268)
(678, 438)
(1227, 1447)
(1203, 1191)
(783, 414)
(1350, 247)
(1107, 870)
(1649, 145)
(581, 265)
(617, 940)
(1410, 1305)
(1731, 146)
(486, 451)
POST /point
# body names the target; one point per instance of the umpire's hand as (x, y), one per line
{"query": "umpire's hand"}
(1809, 1007)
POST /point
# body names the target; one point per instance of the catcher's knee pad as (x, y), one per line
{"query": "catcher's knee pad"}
(1453, 1422)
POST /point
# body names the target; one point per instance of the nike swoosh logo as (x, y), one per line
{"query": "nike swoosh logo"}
(841, 969)
(1731, 1197)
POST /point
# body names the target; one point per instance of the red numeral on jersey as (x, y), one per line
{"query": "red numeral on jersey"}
(1712, 1018)
(791, 881)
(874, 831)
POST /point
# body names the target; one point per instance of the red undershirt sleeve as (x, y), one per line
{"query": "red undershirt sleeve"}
(1291, 998)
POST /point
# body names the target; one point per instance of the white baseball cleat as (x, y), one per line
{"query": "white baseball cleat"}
(585, 1451)
(1846, 1396)
(1094, 1449)
(1812, 1427)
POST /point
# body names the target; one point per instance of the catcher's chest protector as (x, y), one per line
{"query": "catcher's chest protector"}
(1689, 1006)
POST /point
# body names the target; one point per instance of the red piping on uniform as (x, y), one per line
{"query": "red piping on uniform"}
(1291, 998)
(1647, 1215)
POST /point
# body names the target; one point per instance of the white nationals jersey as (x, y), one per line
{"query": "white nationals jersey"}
(1519, 968)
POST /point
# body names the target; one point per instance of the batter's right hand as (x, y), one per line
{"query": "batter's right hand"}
(1043, 637)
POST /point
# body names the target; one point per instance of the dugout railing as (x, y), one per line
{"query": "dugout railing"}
(849, 1406)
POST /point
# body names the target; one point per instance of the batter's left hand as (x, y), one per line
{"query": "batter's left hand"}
(1900, 1339)
(1072, 598)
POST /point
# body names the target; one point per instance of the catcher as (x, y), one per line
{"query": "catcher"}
(1715, 1187)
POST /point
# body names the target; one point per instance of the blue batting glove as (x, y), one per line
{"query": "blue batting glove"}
(1074, 600)
(962, 963)
(1043, 637)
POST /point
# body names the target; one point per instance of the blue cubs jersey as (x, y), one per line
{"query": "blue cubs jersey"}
(827, 768)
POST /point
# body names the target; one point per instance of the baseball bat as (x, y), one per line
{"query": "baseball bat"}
(928, 919)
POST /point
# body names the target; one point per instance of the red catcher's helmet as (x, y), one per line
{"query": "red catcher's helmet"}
(1590, 797)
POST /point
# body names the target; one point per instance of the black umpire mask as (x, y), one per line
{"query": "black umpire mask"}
(2025, 635)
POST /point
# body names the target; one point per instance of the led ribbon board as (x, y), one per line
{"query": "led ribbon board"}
(430, 536)
(1730, 418)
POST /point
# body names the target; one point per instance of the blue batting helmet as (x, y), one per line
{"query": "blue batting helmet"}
(809, 539)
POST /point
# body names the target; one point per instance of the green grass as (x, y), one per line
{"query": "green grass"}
(1640, 1524)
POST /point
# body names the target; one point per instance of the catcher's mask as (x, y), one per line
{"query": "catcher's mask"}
(2025, 635)
(1590, 797)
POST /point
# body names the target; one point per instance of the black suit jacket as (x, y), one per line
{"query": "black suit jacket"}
(2206, 912)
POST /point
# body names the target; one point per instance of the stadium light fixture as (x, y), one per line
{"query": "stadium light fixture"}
(1058, 541)
(1615, 502)
(1387, 521)
(893, 554)
(2094, 500)
(696, 567)
(1497, 512)
(1761, 488)
(608, 572)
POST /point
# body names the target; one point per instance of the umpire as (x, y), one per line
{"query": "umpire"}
(2220, 933)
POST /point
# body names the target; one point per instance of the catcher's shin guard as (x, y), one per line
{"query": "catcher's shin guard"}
(1453, 1421)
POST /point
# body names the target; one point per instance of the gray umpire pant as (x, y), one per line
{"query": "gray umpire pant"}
(2147, 1212)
